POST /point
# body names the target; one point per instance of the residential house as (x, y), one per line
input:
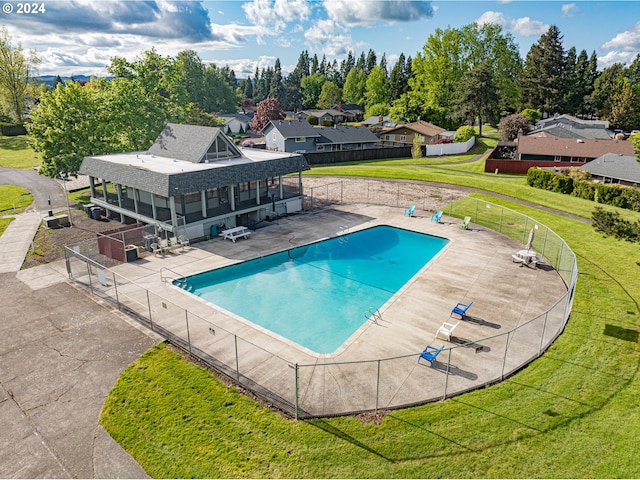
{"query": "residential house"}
(567, 126)
(324, 116)
(379, 120)
(194, 178)
(427, 132)
(547, 151)
(352, 111)
(615, 168)
(236, 123)
(299, 136)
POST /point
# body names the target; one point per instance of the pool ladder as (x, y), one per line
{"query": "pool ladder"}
(374, 315)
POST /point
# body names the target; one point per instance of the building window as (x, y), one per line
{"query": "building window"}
(403, 137)
(300, 139)
(320, 147)
(390, 137)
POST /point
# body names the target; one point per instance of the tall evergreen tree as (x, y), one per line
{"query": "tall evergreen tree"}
(354, 87)
(606, 83)
(542, 80)
(398, 78)
(315, 66)
(477, 95)
(276, 89)
(345, 67)
(371, 62)
(361, 64)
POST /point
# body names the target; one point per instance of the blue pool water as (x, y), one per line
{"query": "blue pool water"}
(316, 295)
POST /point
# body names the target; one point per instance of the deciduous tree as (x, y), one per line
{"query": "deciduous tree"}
(477, 95)
(268, 109)
(17, 69)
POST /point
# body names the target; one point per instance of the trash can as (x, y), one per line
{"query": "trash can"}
(95, 213)
(214, 231)
(131, 252)
(87, 209)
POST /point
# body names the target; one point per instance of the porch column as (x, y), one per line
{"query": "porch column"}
(174, 218)
(203, 203)
(300, 183)
(153, 206)
(92, 186)
(135, 200)
(280, 187)
(104, 196)
(232, 197)
(119, 192)
(257, 192)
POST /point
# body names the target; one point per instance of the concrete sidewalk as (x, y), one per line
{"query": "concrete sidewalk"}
(60, 356)
(16, 241)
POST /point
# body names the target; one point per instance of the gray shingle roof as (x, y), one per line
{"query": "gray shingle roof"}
(621, 167)
(187, 142)
(341, 134)
(292, 128)
(563, 130)
(168, 170)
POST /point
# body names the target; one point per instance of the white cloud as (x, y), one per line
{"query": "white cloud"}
(526, 27)
(628, 41)
(615, 57)
(492, 17)
(367, 12)
(570, 10)
(329, 37)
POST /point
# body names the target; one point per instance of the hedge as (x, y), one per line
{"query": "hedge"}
(615, 195)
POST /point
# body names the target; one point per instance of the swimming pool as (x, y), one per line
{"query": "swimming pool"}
(316, 295)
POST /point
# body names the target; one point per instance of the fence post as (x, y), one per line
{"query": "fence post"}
(446, 376)
(341, 191)
(90, 281)
(504, 357)
(149, 307)
(378, 386)
(500, 224)
(115, 287)
(475, 220)
(186, 318)
(235, 341)
(544, 327)
(295, 373)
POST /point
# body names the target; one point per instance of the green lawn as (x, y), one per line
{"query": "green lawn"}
(14, 199)
(572, 413)
(15, 152)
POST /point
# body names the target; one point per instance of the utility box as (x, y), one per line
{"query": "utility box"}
(95, 213)
(63, 220)
(148, 240)
(50, 222)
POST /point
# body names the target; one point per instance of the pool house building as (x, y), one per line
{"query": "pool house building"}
(193, 181)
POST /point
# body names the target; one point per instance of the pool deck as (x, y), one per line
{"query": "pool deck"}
(475, 266)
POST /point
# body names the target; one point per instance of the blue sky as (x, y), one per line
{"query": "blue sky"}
(80, 36)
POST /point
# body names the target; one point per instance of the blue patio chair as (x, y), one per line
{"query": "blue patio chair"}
(436, 216)
(461, 309)
(409, 211)
(430, 353)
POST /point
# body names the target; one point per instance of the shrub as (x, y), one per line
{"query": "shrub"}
(12, 129)
(442, 140)
(464, 133)
(313, 120)
(532, 115)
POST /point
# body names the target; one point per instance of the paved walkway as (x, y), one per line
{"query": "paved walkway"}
(60, 356)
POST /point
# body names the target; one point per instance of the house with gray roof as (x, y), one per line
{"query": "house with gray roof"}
(567, 126)
(194, 178)
(236, 123)
(301, 137)
(614, 168)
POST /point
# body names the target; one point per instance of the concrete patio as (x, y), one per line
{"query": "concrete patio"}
(376, 368)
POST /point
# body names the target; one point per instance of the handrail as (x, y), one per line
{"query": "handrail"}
(163, 279)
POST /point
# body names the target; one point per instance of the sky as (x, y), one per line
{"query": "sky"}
(79, 37)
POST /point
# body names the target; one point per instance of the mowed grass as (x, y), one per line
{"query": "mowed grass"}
(572, 413)
(14, 199)
(15, 152)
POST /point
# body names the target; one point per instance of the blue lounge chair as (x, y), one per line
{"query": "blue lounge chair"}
(436, 216)
(430, 353)
(409, 211)
(465, 223)
(461, 309)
